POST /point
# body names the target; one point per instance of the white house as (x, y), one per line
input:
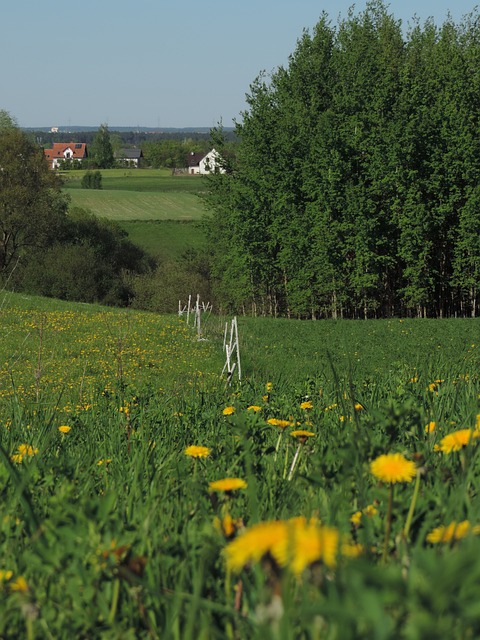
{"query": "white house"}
(201, 163)
(61, 151)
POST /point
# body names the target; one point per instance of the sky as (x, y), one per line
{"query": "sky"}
(153, 63)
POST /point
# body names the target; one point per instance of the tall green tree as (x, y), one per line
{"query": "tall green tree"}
(101, 153)
(32, 206)
(354, 186)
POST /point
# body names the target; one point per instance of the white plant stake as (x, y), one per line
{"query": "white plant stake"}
(232, 352)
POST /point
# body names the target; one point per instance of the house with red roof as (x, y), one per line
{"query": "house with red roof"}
(65, 151)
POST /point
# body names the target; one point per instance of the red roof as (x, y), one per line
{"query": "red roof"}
(78, 149)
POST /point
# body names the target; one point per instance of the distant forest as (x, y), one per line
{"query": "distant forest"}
(128, 138)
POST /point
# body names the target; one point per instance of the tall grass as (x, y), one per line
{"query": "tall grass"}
(109, 530)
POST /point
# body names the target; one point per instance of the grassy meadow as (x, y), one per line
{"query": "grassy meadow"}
(149, 204)
(143, 497)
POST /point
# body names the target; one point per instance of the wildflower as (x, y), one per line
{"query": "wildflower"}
(457, 440)
(302, 434)
(393, 467)
(5, 575)
(228, 411)
(356, 518)
(255, 408)
(268, 387)
(370, 510)
(19, 584)
(64, 428)
(254, 543)
(227, 484)
(276, 422)
(27, 450)
(432, 387)
(452, 532)
(414, 379)
(306, 405)
(350, 550)
(294, 544)
(430, 427)
(197, 452)
(104, 461)
(23, 451)
(227, 526)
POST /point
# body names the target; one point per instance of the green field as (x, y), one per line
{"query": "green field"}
(166, 239)
(138, 205)
(149, 204)
(112, 527)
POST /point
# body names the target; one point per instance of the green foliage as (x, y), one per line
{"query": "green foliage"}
(100, 152)
(353, 188)
(32, 207)
(92, 180)
(88, 264)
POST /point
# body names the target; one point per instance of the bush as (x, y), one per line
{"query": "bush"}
(92, 180)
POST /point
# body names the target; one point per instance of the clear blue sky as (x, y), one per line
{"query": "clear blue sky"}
(154, 63)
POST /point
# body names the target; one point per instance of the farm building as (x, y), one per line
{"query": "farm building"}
(129, 157)
(65, 152)
(201, 163)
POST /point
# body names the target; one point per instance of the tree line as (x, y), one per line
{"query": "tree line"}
(354, 187)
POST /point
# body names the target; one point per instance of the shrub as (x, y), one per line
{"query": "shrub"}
(92, 180)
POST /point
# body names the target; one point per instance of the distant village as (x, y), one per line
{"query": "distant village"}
(71, 155)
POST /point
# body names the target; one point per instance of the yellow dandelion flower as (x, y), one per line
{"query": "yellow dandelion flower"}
(253, 544)
(451, 532)
(276, 422)
(104, 461)
(356, 518)
(393, 467)
(430, 427)
(228, 411)
(306, 405)
(315, 543)
(358, 407)
(227, 526)
(331, 406)
(268, 387)
(294, 544)
(197, 452)
(5, 575)
(457, 440)
(27, 450)
(351, 550)
(432, 387)
(19, 584)
(17, 458)
(370, 511)
(64, 428)
(254, 407)
(227, 484)
(302, 434)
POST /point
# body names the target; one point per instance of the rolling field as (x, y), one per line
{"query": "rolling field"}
(148, 204)
(332, 494)
(120, 205)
